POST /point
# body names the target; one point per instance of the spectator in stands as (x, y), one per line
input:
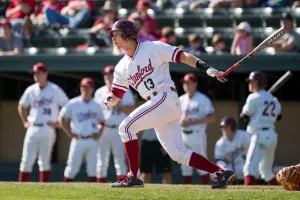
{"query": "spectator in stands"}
(168, 35)
(199, 4)
(74, 14)
(195, 47)
(289, 42)
(142, 11)
(143, 36)
(10, 42)
(296, 4)
(274, 3)
(243, 40)
(219, 45)
(17, 11)
(98, 33)
(226, 4)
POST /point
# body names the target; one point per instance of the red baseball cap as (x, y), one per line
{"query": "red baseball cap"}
(5, 22)
(39, 67)
(190, 77)
(88, 82)
(108, 69)
(143, 4)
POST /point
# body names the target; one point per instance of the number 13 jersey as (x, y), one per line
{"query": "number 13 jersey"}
(44, 103)
(147, 71)
(263, 109)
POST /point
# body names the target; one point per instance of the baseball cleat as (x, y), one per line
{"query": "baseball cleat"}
(129, 181)
(220, 180)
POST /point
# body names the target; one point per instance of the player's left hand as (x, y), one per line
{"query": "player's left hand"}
(212, 72)
(53, 124)
(184, 122)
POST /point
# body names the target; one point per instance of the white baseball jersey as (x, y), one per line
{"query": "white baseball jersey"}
(263, 109)
(147, 71)
(197, 107)
(113, 116)
(44, 103)
(84, 116)
(235, 151)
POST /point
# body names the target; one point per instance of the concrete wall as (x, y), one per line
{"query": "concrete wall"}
(12, 133)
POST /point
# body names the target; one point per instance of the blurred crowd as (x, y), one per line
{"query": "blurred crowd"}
(29, 18)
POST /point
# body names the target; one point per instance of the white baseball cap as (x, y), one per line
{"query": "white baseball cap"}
(245, 26)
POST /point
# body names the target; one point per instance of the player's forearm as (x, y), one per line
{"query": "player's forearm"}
(23, 112)
(193, 61)
(206, 120)
(65, 125)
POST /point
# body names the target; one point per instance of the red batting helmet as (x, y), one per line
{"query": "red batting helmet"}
(259, 76)
(129, 29)
(228, 121)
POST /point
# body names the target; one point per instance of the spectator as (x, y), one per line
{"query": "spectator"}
(219, 45)
(195, 45)
(199, 4)
(143, 36)
(98, 33)
(10, 42)
(251, 3)
(168, 35)
(153, 154)
(74, 14)
(296, 4)
(142, 11)
(17, 11)
(289, 42)
(243, 41)
(274, 3)
(226, 4)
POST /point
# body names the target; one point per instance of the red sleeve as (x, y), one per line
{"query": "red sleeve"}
(118, 92)
(177, 59)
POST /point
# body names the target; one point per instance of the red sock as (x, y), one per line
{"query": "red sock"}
(199, 162)
(102, 180)
(45, 176)
(187, 179)
(204, 179)
(67, 179)
(92, 179)
(273, 182)
(24, 176)
(133, 155)
(249, 180)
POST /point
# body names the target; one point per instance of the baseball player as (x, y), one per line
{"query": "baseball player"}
(231, 149)
(260, 112)
(153, 154)
(197, 112)
(38, 109)
(145, 67)
(80, 119)
(110, 139)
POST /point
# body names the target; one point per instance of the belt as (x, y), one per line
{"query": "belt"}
(84, 137)
(110, 126)
(155, 93)
(265, 129)
(36, 124)
(187, 132)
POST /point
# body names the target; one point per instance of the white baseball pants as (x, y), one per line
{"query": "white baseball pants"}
(81, 149)
(197, 143)
(38, 143)
(110, 141)
(162, 113)
(261, 154)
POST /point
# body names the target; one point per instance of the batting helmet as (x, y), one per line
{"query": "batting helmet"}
(259, 76)
(129, 29)
(228, 121)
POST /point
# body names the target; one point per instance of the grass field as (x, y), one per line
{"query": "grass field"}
(32, 191)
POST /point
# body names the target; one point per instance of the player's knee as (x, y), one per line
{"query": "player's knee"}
(126, 132)
(180, 155)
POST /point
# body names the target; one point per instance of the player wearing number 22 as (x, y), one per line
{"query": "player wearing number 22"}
(38, 109)
(260, 112)
(145, 67)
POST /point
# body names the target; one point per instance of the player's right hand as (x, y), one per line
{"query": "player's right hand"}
(212, 72)
(26, 124)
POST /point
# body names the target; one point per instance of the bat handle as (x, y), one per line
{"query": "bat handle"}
(230, 69)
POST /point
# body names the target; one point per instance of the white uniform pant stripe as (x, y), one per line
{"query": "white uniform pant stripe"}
(144, 113)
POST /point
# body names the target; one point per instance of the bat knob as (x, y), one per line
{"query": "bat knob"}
(110, 99)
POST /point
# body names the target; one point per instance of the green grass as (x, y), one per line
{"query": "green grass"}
(32, 191)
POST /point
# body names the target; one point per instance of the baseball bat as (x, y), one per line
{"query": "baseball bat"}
(284, 78)
(272, 38)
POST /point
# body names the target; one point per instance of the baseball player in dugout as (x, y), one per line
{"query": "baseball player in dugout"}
(197, 112)
(231, 149)
(145, 67)
(110, 140)
(260, 113)
(80, 118)
(38, 109)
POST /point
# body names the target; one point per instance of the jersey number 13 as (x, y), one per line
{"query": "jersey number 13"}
(149, 84)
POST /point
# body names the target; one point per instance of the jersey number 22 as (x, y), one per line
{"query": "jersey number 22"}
(269, 108)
